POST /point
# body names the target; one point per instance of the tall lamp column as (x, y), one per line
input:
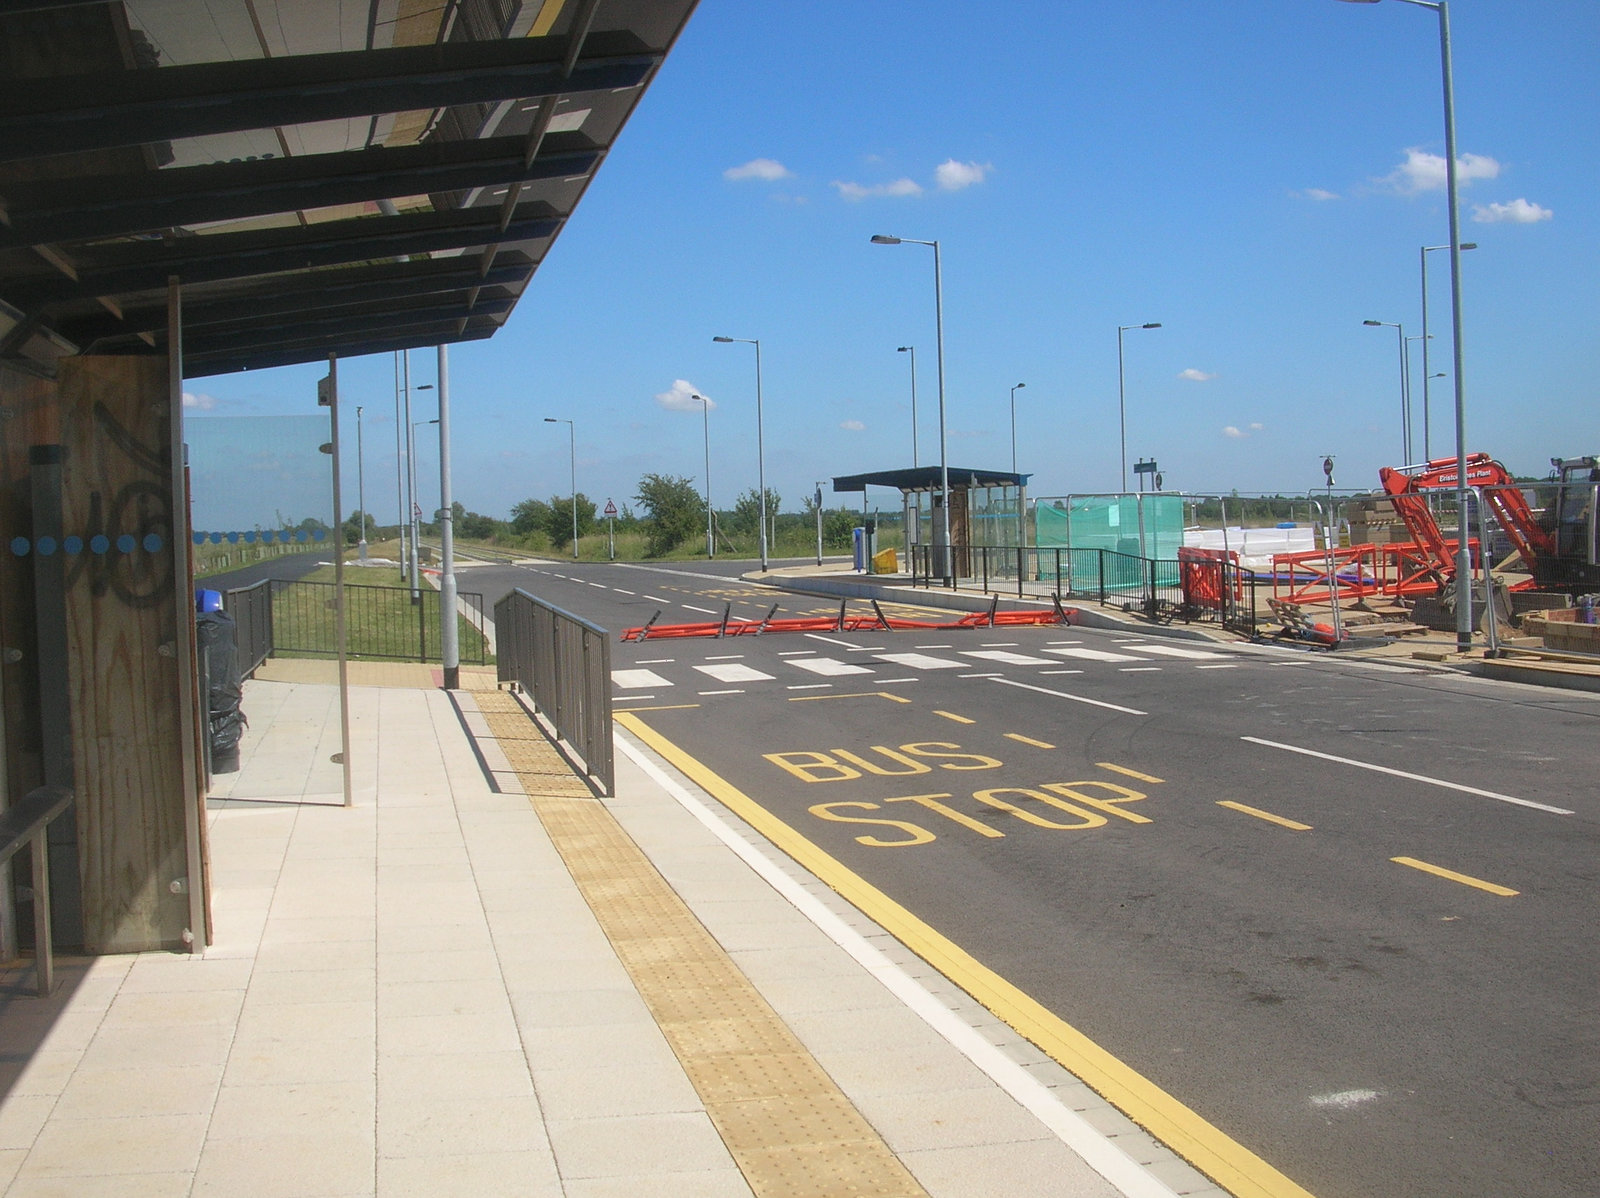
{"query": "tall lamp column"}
(705, 413)
(761, 453)
(1122, 395)
(1427, 375)
(572, 461)
(1463, 571)
(1405, 385)
(948, 565)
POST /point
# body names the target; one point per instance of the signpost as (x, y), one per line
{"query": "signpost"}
(611, 528)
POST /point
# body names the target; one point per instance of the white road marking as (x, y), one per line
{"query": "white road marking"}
(1344, 1100)
(725, 657)
(1383, 769)
(811, 686)
(827, 666)
(1226, 667)
(1042, 673)
(621, 591)
(1009, 659)
(1064, 695)
(703, 693)
(1139, 670)
(634, 679)
(921, 661)
(977, 675)
(656, 661)
(887, 681)
(653, 599)
(999, 644)
(705, 610)
(601, 585)
(1094, 655)
(932, 646)
(733, 672)
(796, 652)
(1178, 651)
(833, 640)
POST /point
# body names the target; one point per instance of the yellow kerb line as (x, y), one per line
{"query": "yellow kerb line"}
(1266, 815)
(664, 707)
(1028, 740)
(1238, 1170)
(546, 18)
(1122, 769)
(1440, 871)
(950, 715)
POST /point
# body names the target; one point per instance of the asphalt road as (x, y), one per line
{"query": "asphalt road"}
(1342, 910)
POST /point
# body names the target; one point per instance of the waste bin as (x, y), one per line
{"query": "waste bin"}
(217, 642)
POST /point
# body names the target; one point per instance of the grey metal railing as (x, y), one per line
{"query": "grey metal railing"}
(251, 609)
(563, 663)
(28, 824)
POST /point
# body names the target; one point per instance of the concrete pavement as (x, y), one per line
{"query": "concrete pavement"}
(482, 980)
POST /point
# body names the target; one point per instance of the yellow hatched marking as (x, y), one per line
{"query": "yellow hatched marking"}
(788, 1126)
(1028, 740)
(1238, 1170)
(1122, 769)
(950, 715)
(1464, 879)
(1266, 815)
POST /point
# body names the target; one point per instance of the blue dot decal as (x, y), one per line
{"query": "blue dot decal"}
(266, 537)
(152, 542)
(318, 534)
(199, 538)
(250, 537)
(126, 543)
(300, 535)
(46, 546)
(233, 538)
(73, 545)
(20, 546)
(216, 538)
(99, 543)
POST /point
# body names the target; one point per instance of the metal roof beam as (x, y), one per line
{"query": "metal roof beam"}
(74, 113)
(145, 266)
(113, 206)
(201, 366)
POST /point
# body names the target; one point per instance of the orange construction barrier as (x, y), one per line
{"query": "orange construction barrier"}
(877, 622)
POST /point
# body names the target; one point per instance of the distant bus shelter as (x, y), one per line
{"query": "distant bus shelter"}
(986, 506)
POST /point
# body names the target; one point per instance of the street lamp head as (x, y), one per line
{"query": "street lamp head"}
(1154, 324)
(904, 349)
(884, 239)
(1469, 245)
(1019, 386)
(1377, 324)
(551, 420)
(423, 387)
(724, 340)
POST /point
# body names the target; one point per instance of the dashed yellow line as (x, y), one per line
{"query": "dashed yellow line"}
(1266, 815)
(1122, 769)
(1028, 740)
(950, 715)
(1464, 879)
(853, 695)
(1233, 1166)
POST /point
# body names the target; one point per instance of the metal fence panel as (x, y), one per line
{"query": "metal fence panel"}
(563, 663)
(251, 609)
(382, 622)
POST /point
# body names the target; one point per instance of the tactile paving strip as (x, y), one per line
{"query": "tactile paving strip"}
(791, 1130)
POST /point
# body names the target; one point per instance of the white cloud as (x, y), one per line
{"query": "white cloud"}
(858, 191)
(1230, 431)
(854, 426)
(199, 402)
(1316, 193)
(1517, 212)
(953, 176)
(769, 169)
(681, 397)
(1195, 376)
(1256, 428)
(1422, 171)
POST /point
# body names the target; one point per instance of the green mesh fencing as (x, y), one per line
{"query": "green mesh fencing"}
(1148, 526)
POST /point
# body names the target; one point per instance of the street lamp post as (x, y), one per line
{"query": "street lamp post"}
(572, 461)
(948, 565)
(1405, 385)
(361, 489)
(1463, 572)
(1122, 398)
(761, 453)
(414, 512)
(1014, 391)
(912, 350)
(1427, 445)
(705, 414)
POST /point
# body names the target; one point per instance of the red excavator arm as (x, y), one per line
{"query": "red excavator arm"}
(1500, 492)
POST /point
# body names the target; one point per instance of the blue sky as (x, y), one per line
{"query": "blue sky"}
(1257, 176)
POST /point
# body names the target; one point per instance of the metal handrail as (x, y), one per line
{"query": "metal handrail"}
(563, 662)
